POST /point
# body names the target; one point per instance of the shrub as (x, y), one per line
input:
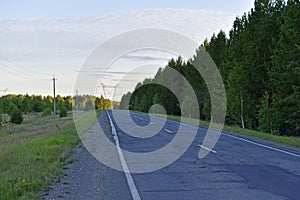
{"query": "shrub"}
(11, 107)
(47, 112)
(37, 106)
(63, 112)
(16, 116)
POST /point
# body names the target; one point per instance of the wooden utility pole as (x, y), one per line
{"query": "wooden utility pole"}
(54, 96)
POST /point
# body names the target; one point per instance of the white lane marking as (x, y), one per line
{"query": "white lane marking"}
(262, 145)
(167, 130)
(208, 149)
(132, 187)
(245, 140)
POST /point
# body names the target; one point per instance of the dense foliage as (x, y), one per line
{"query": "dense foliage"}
(17, 105)
(16, 116)
(33, 103)
(63, 112)
(260, 66)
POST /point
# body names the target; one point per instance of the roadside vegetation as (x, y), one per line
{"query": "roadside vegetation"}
(15, 106)
(35, 143)
(34, 153)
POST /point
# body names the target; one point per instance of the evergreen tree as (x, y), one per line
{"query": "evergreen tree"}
(285, 76)
(216, 48)
(16, 116)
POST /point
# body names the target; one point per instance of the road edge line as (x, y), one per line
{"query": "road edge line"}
(130, 182)
(262, 145)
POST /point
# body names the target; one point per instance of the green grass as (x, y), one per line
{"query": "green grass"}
(286, 140)
(34, 154)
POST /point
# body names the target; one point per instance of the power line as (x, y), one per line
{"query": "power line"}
(17, 70)
(13, 72)
(62, 86)
(105, 89)
(4, 91)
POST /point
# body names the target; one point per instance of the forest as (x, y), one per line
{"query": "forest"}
(259, 62)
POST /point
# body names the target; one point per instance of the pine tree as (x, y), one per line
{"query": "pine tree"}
(285, 75)
(216, 48)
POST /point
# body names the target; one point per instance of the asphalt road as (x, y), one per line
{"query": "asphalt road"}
(237, 168)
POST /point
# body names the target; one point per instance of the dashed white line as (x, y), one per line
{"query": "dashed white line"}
(208, 149)
(132, 187)
(167, 130)
(245, 140)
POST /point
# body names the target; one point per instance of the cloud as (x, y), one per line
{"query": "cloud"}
(60, 46)
(144, 58)
(40, 38)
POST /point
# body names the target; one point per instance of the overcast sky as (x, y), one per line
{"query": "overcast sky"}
(42, 38)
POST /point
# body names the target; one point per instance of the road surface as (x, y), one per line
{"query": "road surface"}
(236, 168)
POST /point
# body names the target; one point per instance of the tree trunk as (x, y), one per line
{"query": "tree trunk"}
(242, 117)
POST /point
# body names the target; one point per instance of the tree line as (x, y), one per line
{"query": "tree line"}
(17, 105)
(260, 65)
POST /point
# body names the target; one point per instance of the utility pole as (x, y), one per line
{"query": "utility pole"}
(111, 92)
(76, 101)
(54, 95)
(105, 91)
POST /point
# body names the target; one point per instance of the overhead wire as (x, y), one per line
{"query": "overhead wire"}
(16, 70)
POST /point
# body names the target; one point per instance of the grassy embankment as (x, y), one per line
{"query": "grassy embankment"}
(290, 141)
(34, 153)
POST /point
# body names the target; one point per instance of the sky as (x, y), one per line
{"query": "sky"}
(92, 8)
(40, 39)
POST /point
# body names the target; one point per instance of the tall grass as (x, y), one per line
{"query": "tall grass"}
(33, 154)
